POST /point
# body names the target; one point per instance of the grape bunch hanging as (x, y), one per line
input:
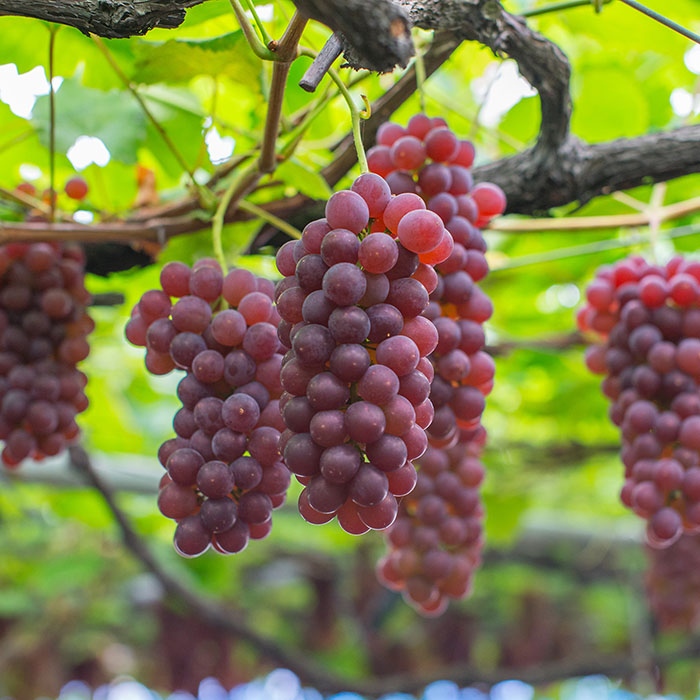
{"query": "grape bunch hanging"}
(647, 320)
(224, 474)
(372, 351)
(43, 335)
(435, 544)
(356, 387)
(673, 583)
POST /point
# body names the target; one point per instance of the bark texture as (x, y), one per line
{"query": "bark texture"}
(376, 33)
(112, 19)
(537, 180)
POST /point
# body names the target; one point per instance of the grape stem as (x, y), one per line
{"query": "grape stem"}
(257, 47)
(286, 53)
(202, 193)
(268, 154)
(420, 79)
(271, 219)
(355, 113)
(294, 136)
(52, 126)
(267, 40)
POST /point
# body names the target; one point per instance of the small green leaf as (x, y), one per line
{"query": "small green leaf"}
(522, 123)
(503, 513)
(180, 60)
(304, 179)
(596, 117)
(114, 117)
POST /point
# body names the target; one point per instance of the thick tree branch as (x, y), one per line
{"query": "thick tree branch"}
(112, 19)
(214, 614)
(376, 33)
(579, 171)
(540, 61)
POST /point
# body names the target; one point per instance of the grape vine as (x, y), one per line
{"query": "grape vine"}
(646, 319)
(673, 583)
(43, 335)
(350, 306)
(224, 474)
(435, 544)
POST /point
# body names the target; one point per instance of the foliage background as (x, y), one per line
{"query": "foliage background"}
(74, 604)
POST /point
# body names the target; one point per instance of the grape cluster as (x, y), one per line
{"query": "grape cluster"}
(43, 330)
(356, 377)
(673, 583)
(458, 307)
(428, 159)
(435, 543)
(224, 470)
(647, 318)
(463, 371)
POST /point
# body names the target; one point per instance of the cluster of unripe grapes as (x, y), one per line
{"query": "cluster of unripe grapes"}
(43, 335)
(647, 319)
(224, 474)
(435, 544)
(673, 583)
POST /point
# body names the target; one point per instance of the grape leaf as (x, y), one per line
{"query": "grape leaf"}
(180, 60)
(304, 179)
(114, 117)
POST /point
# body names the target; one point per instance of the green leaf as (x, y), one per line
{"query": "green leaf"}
(205, 12)
(304, 179)
(522, 122)
(163, 101)
(16, 602)
(25, 42)
(180, 114)
(503, 514)
(597, 117)
(114, 117)
(180, 60)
